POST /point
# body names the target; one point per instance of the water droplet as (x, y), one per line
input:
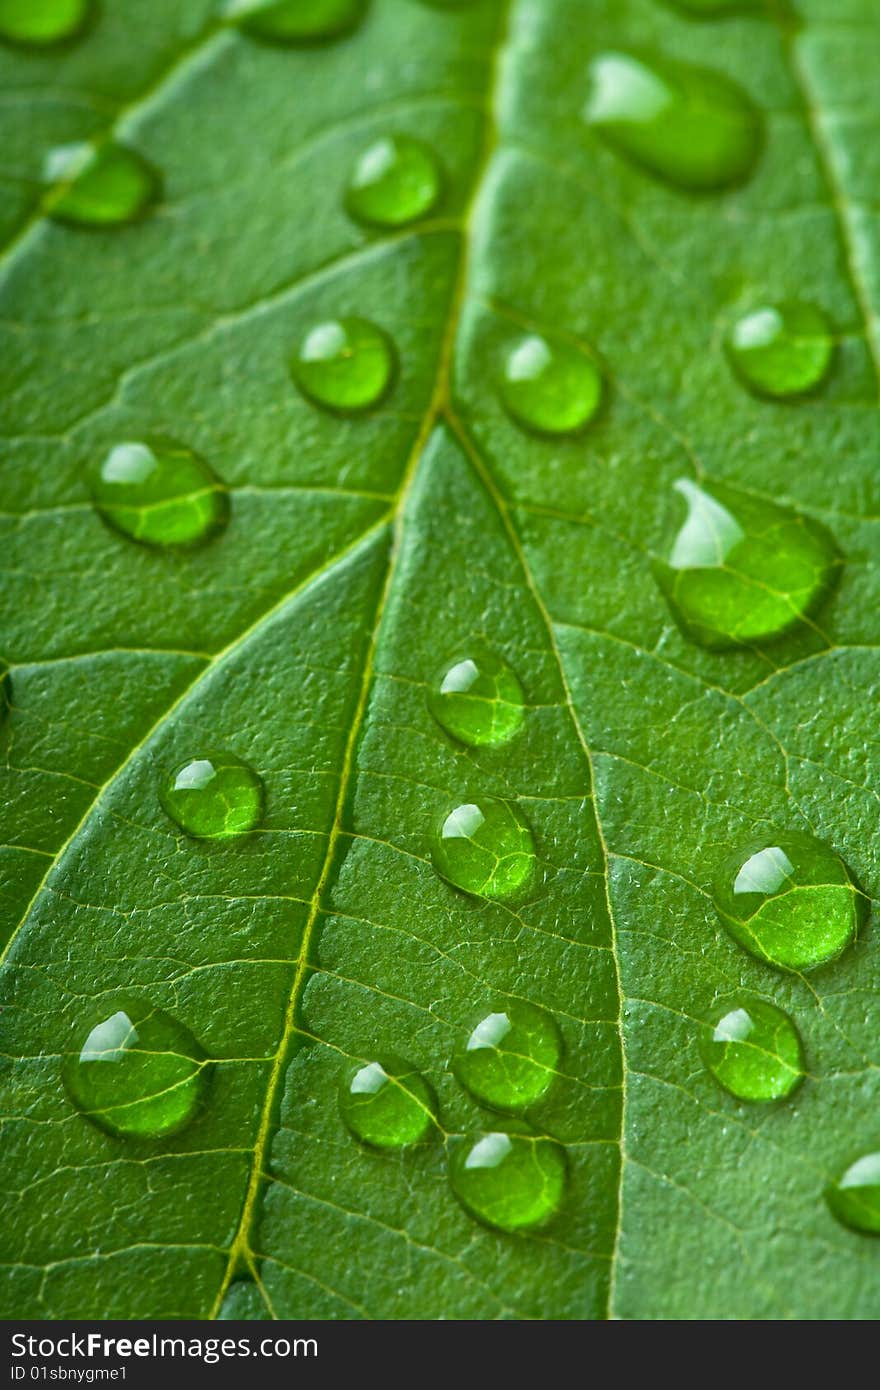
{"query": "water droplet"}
(135, 1071)
(486, 849)
(687, 125)
(300, 21)
(781, 350)
(511, 1057)
(99, 185)
(513, 1182)
(395, 181)
(854, 1198)
(550, 388)
(214, 797)
(388, 1104)
(344, 364)
(743, 570)
(477, 699)
(753, 1050)
(789, 900)
(37, 23)
(159, 493)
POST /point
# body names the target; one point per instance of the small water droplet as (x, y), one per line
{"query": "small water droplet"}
(512, 1182)
(753, 1050)
(388, 1104)
(550, 388)
(743, 570)
(159, 493)
(214, 797)
(485, 848)
(299, 21)
(781, 350)
(689, 126)
(344, 364)
(135, 1071)
(395, 181)
(511, 1057)
(37, 23)
(790, 901)
(854, 1197)
(99, 185)
(477, 699)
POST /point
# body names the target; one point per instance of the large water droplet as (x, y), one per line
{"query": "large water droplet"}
(395, 181)
(514, 1182)
(687, 125)
(789, 900)
(300, 21)
(37, 23)
(477, 699)
(781, 350)
(344, 364)
(743, 570)
(854, 1198)
(511, 1057)
(159, 493)
(388, 1104)
(550, 388)
(753, 1050)
(99, 185)
(135, 1071)
(485, 848)
(214, 797)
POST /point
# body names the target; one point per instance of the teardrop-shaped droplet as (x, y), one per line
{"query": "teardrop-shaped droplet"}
(742, 570)
(689, 126)
(135, 1071)
(477, 699)
(38, 23)
(854, 1197)
(214, 796)
(344, 364)
(485, 848)
(394, 182)
(388, 1104)
(511, 1057)
(789, 900)
(513, 1182)
(159, 493)
(781, 350)
(753, 1050)
(100, 185)
(550, 387)
(299, 21)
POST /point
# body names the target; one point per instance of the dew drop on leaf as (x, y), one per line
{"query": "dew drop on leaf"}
(513, 1182)
(689, 126)
(214, 796)
(135, 1071)
(485, 848)
(854, 1197)
(477, 699)
(789, 900)
(753, 1050)
(387, 1104)
(104, 185)
(550, 388)
(743, 570)
(344, 364)
(781, 350)
(159, 493)
(300, 21)
(395, 181)
(510, 1058)
(37, 23)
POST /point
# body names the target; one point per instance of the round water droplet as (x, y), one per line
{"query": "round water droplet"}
(344, 364)
(395, 181)
(790, 901)
(159, 493)
(854, 1198)
(214, 797)
(742, 570)
(37, 23)
(99, 185)
(301, 21)
(511, 1057)
(477, 699)
(753, 1050)
(135, 1071)
(513, 1182)
(550, 388)
(688, 126)
(388, 1104)
(781, 350)
(485, 848)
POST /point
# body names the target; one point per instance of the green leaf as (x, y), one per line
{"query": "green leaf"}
(364, 550)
